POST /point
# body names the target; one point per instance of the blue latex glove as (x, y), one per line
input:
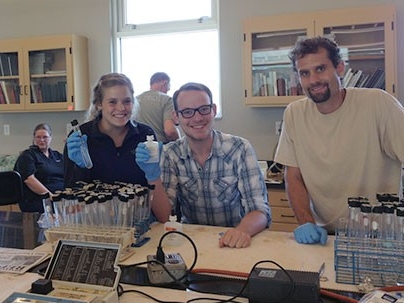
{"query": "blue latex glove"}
(151, 170)
(73, 148)
(310, 233)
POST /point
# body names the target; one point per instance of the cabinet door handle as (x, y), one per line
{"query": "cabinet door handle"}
(284, 199)
(287, 216)
(21, 91)
(26, 89)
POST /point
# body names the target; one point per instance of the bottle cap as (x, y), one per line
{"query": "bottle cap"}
(150, 138)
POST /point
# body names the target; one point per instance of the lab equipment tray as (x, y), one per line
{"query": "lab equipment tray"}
(376, 261)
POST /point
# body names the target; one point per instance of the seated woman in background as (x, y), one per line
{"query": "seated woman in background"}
(41, 169)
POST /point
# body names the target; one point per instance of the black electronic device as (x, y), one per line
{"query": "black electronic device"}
(268, 285)
(78, 272)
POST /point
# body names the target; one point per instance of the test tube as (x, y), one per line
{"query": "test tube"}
(81, 204)
(103, 210)
(354, 211)
(88, 210)
(83, 145)
(388, 222)
(48, 210)
(365, 220)
(377, 211)
(58, 206)
(399, 224)
(122, 210)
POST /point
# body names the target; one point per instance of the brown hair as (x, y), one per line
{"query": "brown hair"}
(312, 46)
(43, 126)
(107, 81)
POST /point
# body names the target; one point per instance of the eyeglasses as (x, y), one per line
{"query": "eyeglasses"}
(42, 137)
(190, 112)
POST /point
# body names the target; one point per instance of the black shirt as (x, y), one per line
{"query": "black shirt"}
(48, 170)
(110, 163)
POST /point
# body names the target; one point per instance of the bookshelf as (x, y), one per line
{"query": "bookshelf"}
(366, 37)
(44, 74)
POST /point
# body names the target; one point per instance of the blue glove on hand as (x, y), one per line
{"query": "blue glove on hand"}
(310, 233)
(74, 148)
(151, 170)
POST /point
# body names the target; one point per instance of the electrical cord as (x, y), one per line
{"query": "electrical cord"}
(160, 254)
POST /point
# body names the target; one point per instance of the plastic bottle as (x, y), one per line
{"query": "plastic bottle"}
(171, 225)
(83, 147)
(153, 147)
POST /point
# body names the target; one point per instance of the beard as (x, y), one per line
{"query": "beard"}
(319, 98)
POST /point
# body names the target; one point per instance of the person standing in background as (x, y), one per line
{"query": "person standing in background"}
(112, 136)
(156, 109)
(41, 169)
(337, 142)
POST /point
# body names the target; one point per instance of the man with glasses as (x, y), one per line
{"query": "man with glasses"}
(156, 108)
(211, 177)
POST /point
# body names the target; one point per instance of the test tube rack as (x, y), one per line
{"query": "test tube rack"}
(357, 260)
(98, 234)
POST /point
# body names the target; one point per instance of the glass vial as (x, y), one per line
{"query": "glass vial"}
(365, 221)
(153, 147)
(399, 224)
(49, 214)
(83, 146)
(388, 222)
(354, 205)
(377, 211)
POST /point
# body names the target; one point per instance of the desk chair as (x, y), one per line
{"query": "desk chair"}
(10, 187)
(17, 229)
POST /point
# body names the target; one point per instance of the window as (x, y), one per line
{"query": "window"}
(180, 38)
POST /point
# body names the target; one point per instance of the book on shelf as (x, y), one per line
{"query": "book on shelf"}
(380, 83)
(5, 67)
(4, 90)
(358, 78)
(373, 78)
(55, 92)
(9, 65)
(347, 77)
(10, 91)
(1, 67)
(2, 99)
(14, 64)
(281, 86)
(364, 80)
(36, 92)
(355, 78)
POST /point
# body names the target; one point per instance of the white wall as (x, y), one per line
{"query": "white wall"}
(20, 18)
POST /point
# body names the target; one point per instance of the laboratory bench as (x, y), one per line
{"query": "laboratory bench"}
(279, 247)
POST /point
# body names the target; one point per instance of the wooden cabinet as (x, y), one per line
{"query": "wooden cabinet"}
(366, 37)
(283, 218)
(44, 74)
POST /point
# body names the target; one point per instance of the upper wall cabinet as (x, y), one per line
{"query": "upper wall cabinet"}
(44, 74)
(366, 37)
